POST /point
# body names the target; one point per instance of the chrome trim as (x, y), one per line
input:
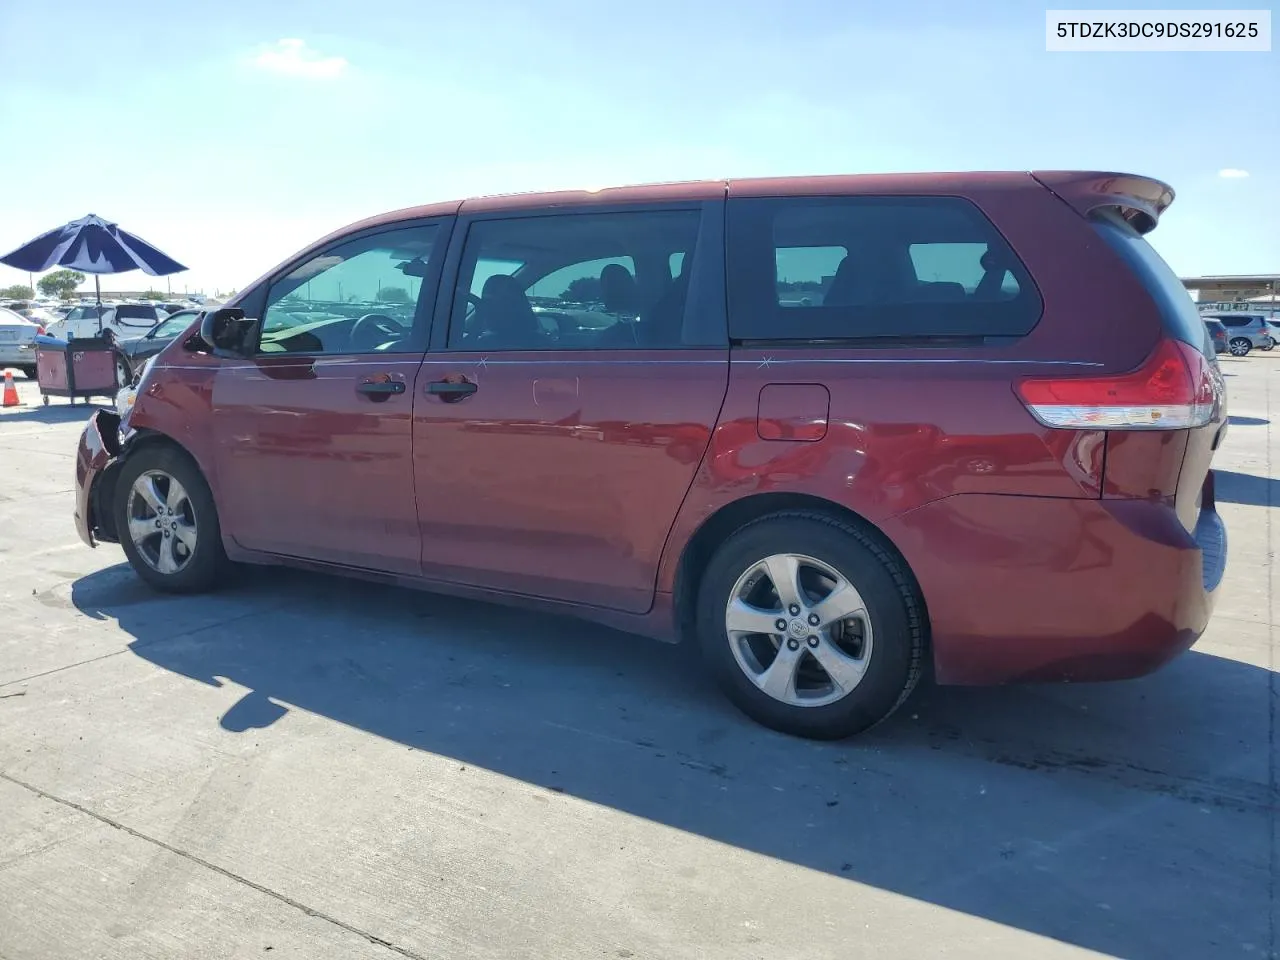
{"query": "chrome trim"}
(759, 362)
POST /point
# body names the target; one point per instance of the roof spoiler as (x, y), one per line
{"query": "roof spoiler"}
(1140, 200)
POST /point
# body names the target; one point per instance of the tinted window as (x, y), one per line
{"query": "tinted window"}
(960, 263)
(570, 281)
(872, 267)
(136, 316)
(1179, 312)
(357, 297)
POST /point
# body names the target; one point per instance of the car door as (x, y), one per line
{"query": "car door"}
(313, 431)
(561, 416)
(82, 322)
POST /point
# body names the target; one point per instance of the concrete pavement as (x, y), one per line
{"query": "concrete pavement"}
(314, 768)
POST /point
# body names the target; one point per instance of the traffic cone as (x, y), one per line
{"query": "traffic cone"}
(10, 391)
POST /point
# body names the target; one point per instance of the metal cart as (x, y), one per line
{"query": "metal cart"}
(79, 368)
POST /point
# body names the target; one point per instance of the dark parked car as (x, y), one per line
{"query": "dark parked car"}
(829, 429)
(1218, 333)
(135, 351)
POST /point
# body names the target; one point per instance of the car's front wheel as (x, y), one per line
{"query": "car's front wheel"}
(167, 523)
(810, 625)
(124, 376)
(29, 373)
(1240, 347)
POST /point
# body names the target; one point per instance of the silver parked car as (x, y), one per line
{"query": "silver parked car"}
(18, 342)
(1245, 331)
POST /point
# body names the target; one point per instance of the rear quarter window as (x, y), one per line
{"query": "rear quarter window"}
(894, 268)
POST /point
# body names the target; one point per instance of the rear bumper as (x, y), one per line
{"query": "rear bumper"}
(99, 445)
(1023, 589)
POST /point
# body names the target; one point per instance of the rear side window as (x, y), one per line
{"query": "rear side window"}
(576, 281)
(1178, 311)
(133, 314)
(914, 268)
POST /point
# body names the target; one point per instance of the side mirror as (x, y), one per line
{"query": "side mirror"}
(226, 331)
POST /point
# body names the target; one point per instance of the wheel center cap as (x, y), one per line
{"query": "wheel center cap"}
(797, 629)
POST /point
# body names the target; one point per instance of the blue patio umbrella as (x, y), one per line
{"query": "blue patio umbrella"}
(91, 245)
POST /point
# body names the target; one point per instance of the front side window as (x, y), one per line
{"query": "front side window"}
(852, 268)
(360, 296)
(575, 281)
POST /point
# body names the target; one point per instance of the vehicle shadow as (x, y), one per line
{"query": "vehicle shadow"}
(1246, 488)
(1131, 819)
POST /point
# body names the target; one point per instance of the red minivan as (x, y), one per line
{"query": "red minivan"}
(834, 430)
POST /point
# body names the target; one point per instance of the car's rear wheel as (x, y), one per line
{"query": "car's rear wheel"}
(123, 374)
(1240, 347)
(167, 523)
(811, 626)
(29, 372)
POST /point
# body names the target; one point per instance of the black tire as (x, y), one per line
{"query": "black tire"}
(208, 564)
(895, 611)
(124, 374)
(29, 372)
(1240, 347)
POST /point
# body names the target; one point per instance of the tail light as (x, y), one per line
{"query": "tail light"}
(40, 330)
(1174, 389)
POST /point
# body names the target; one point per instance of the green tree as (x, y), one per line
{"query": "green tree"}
(394, 295)
(60, 283)
(18, 291)
(151, 295)
(583, 290)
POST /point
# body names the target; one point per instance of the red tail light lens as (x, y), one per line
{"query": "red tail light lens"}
(1174, 389)
(40, 330)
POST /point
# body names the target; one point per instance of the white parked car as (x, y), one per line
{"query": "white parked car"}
(119, 321)
(18, 342)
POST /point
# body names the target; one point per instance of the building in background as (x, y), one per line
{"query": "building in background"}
(1259, 293)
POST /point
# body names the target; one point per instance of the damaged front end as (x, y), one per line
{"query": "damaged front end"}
(98, 463)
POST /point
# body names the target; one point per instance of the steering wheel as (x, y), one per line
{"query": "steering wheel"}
(376, 329)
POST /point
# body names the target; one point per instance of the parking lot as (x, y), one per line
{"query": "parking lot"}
(314, 768)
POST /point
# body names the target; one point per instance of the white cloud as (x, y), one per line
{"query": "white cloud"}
(1231, 173)
(293, 58)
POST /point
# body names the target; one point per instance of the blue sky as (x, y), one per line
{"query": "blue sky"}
(233, 134)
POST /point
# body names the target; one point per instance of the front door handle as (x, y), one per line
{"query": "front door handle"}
(449, 390)
(380, 390)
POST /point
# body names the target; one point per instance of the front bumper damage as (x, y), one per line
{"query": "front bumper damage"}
(97, 461)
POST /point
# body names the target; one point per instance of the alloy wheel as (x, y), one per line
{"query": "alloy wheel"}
(799, 630)
(1240, 347)
(162, 522)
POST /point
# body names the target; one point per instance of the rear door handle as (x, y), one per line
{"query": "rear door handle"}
(449, 390)
(380, 389)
